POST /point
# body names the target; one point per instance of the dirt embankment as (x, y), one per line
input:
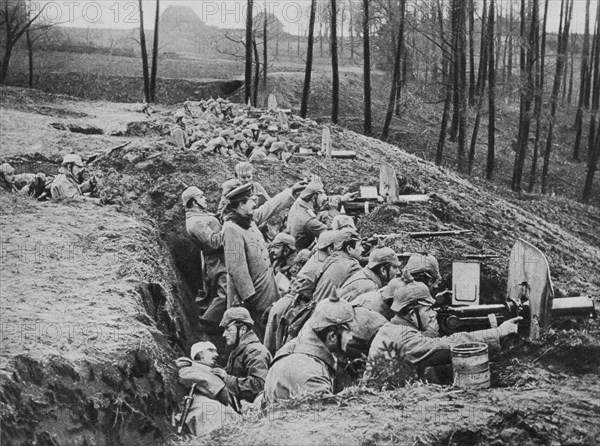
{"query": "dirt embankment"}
(93, 314)
(123, 389)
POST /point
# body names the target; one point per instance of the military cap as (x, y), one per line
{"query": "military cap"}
(326, 238)
(344, 235)
(245, 190)
(189, 193)
(367, 324)
(342, 221)
(283, 238)
(277, 146)
(236, 314)
(383, 255)
(387, 292)
(314, 187)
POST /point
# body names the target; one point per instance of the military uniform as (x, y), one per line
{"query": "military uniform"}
(373, 300)
(303, 224)
(250, 278)
(304, 365)
(247, 368)
(205, 229)
(360, 282)
(210, 405)
(66, 186)
(338, 268)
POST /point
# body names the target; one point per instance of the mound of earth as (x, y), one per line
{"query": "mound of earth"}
(93, 315)
(139, 275)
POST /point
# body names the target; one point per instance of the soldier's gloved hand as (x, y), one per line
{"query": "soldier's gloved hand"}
(510, 326)
(349, 196)
(298, 187)
(217, 371)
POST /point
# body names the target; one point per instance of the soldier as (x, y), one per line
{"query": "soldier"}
(282, 251)
(406, 338)
(342, 221)
(383, 266)
(302, 221)
(380, 300)
(205, 230)
(424, 268)
(244, 172)
(249, 360)
(250, 278)
(32, 184)
(307, 364)
(179, 132)
(69, 183)
(339, 266)
(212, 402)
(296, 306)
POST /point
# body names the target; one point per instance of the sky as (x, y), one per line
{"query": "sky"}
(293, 14)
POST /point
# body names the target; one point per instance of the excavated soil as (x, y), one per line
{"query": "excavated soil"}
(141, 280)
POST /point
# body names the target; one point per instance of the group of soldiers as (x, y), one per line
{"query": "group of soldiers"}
(69, 183)
(255, 139)
(308, 311)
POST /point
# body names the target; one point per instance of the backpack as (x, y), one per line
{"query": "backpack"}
(294, 318)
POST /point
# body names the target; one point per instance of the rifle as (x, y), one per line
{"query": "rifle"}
(481, 256)
(187, 405)
(438, 233)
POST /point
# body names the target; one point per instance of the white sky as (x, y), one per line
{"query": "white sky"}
(231, 13)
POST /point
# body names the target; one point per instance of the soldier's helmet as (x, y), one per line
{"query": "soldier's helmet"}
(424, 263)
(332, 312)
(189, 193)
(411, 294)
(71, 158)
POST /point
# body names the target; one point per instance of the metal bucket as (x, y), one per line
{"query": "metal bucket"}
(470, 364)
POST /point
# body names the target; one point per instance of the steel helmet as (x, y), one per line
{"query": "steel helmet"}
(189, 193)
(236, 314)
(71, 158)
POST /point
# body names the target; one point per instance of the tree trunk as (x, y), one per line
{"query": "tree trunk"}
(396, 74)
(456, 69)
(489, 170)
(509, 67)
(335, 88)
(563, 41)
(584, 90)
(480, 86)
(526, 99)
(539, 91)
(447, 77)
(463, 99)
(570, 93)
(29, 57)
(265, 53)
(368, 126)
(248, 43)
(155, 53)
(144, 51)
(352, 31)
(471, 7)
(256, 74)
(309, 59)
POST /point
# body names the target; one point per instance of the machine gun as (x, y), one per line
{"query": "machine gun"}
(481, 317)
(530, 295)
(187, 405)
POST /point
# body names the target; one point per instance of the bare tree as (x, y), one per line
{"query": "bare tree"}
(368, 126)
(144, 52)
(309, 59)
(335, 88)
(563, 42)
(594, 134)
(584, 83)
(16, 19)
(489, 170)
(248, 67)
(154, 69)
(396, 73)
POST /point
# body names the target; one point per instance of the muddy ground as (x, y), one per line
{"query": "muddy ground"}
(128, 267)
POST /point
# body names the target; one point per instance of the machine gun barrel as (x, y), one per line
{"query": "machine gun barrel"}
(187, 405)
(478, 317)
